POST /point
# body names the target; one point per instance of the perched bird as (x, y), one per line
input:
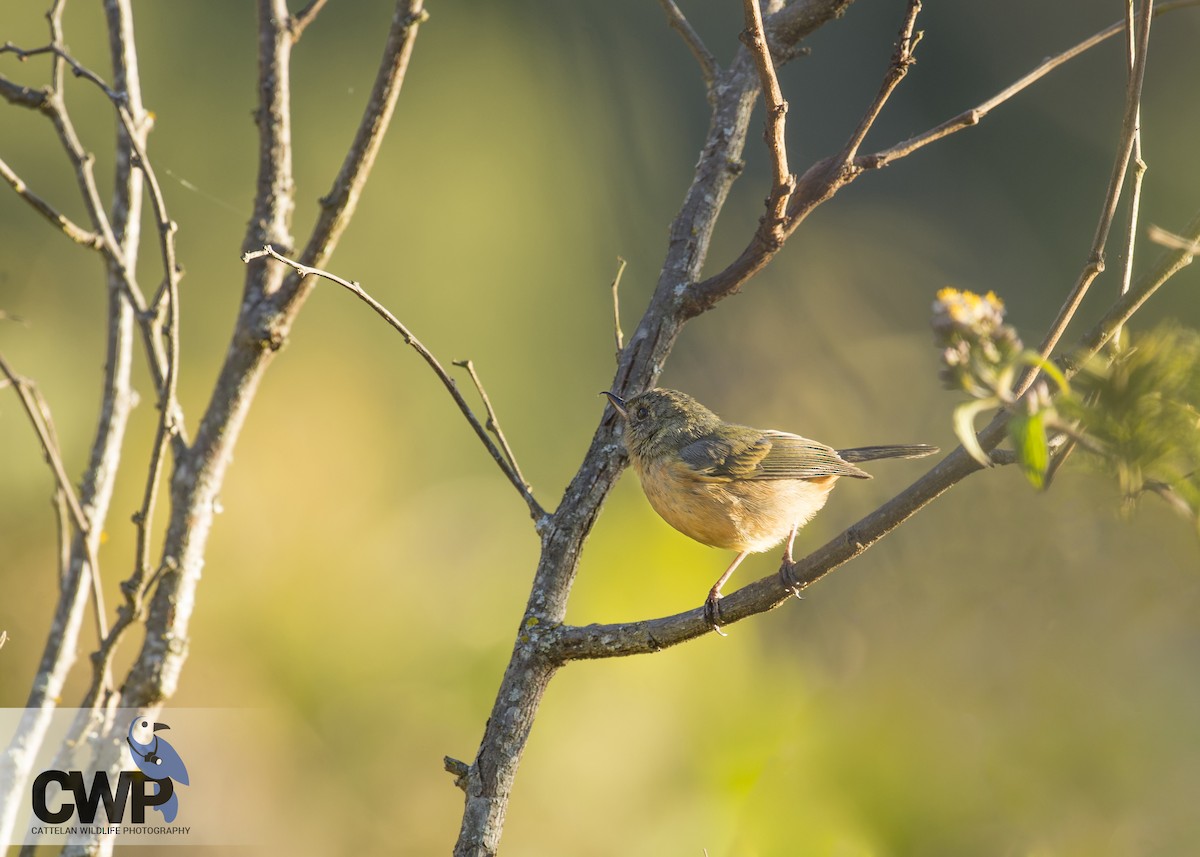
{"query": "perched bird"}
(157, 759)
(731, 486)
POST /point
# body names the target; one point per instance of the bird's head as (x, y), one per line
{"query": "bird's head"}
(660, 422)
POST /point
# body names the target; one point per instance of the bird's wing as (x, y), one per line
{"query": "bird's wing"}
(764, 455)
(795, 457)
(727, 456)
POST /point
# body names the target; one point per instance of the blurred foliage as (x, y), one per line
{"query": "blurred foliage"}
(982, 355)
(1139, 410)
(1006, 674)
(1134, 408)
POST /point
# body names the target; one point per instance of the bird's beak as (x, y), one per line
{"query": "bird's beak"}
(617, 402)
(158, 726)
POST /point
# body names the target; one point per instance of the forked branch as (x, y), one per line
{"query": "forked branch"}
(500, 454)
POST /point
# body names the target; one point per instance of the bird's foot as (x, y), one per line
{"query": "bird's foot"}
(712, 611)
(787, 573)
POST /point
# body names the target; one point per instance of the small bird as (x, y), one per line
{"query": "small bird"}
(732, 486)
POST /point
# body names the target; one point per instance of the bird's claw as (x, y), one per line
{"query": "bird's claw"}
(712, 612)
(787, 573)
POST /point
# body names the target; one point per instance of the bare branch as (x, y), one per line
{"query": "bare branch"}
(39, 417)
(786, 27)
(493, 423)
(902, 61)
(972, 117)
(709, 70)
(818, 184)
(21, 96)
(337, 206)
(772, 226)
(68, 227)
(110, 237)
(618, 336)
(274, 295)
(304, 17)
(1139, 165)
(1169, 239)
(1123, 309)
(1095, 262)
(509, 469)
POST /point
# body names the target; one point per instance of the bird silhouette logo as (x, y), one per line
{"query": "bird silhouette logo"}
(159, 761)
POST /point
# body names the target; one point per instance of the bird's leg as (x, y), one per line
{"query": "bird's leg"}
(787, 567)
(712, 612)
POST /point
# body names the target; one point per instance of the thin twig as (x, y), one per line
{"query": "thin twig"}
(304, 17)
(83, 162)
(1095, 262)
(973, 116)
(535, 510)
(68, 227)
(902, 60)
(618, 336)
(1139, 165)
(339, 204)
(493, 422)
(709, 70)
(1138, 173)
(1169, 239)
(39, 417)
(818, 184)
(1123, 309)
(772, 225)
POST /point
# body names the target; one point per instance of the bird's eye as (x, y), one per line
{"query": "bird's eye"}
(643, 412)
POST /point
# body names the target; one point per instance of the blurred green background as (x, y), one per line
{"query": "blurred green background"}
(1010, 673)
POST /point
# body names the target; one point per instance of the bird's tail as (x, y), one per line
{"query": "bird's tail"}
(870, 453)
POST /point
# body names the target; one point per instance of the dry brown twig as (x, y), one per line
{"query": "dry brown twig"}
(1108, 213)
(618, 335)
(38, 412)
(773, 224)
(501, 453)
(493, 424)
(709, 70)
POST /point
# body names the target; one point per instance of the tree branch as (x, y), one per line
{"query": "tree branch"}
(544, 642)
(273, 296)
(304, 17)
(970, 118)
(38, 411)
(119, 233)
(60, 221)
(704, 58)
(338, 206)
(818, 184)
(502, 455)
(1112, 197)
(771, 227)
(493, 425)
(618, 335)
(489, 778)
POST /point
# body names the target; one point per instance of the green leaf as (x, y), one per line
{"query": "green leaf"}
(964, 427)
(1032, 358)
(1028, 435)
